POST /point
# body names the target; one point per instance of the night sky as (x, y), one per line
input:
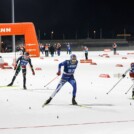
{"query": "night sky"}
(72, 18)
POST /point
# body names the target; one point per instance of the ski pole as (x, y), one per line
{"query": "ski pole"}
(114, 86)
(51, 81)
(129, 89)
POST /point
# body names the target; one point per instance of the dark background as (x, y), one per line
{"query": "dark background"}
(71, 19)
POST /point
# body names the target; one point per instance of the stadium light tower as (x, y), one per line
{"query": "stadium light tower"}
(13, 21)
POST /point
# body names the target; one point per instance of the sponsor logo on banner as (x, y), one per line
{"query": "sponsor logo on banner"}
(5, 30)
(31, 50)
(31, 44)
(33, 54)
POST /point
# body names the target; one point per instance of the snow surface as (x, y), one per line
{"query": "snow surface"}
(21, 110)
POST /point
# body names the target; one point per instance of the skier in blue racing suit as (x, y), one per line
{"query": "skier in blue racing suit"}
(67, 76)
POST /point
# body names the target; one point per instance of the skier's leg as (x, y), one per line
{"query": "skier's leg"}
(14, 77)
(24, 78)
(74, 85)
(61, 83)
(59, 86)
(132, 88)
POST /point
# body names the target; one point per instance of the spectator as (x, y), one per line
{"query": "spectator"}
(52, 49)
(68, 49)
(46, 50)
(22, 49)
(58, 48)
(114, 47)
(42, 48)
(86, 52)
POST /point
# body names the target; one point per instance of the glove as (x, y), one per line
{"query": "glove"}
(123, 75)
(15, 67)
(33, 72)
(59, 73)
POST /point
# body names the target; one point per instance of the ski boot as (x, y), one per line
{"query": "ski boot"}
(12, 81)
(74, 101)
(24, 87)
(47, 102)
(10, 84)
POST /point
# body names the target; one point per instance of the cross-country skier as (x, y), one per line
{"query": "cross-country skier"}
(131, 74)
(21, 63)
(67, 76)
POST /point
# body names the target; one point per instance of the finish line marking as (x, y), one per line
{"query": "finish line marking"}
(66, 125)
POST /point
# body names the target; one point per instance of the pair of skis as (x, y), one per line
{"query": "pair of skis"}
(78, 105)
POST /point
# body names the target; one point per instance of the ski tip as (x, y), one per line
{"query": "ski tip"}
(83, 105)
(44, 105)
(6, 86)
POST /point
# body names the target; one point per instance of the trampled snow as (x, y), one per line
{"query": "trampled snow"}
(21, 110)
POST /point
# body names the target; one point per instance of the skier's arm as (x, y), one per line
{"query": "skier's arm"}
(18, 60)
(15, 66)
(59, 67)
(31, 67)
